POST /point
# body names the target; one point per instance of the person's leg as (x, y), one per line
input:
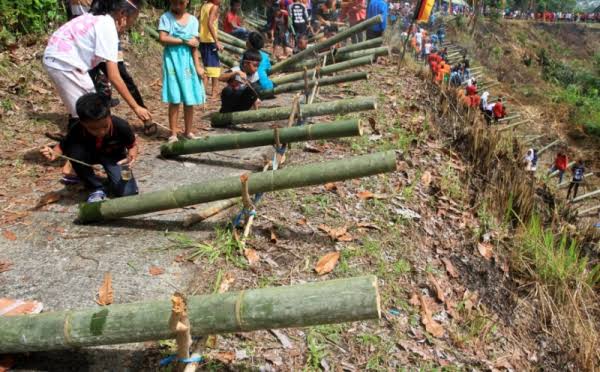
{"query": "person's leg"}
(570, 188)
(246, 99)
(85, 173)
(213, 87)
(188, 119)
(116, 184)
(173, 118)
(561, 173)
(575, 189)
(130, 83)
(229, 98)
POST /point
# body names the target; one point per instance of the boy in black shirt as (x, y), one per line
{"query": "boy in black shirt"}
(99, 138)
(241, 92)
(299, 18)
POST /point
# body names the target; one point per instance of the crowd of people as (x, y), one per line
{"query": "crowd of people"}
(84, 60)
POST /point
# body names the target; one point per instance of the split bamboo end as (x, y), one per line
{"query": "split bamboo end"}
(360, 128)
(377, 296)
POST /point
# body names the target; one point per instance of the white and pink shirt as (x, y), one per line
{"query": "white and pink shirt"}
(82, 43)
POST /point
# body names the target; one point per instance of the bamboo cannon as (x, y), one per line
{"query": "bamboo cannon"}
(340, 66)
(232, 48)
(514, 125)
(376, 52)
(326, 43)
(281, 113)
(208, 212)
(228, 60)
(338, 129)
(300, 85)
(373, 43)
(548, 146)
(533, 138)
(229, 187)
(509, 118)
(230, 39)
(586, 196)
(301, 305)
(589, 210)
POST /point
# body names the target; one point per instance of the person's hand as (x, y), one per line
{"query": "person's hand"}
(142, 113)
(48, 153)
(201, 73)
(219, 46)
(241, 74)
(193, 42)
(129, 160)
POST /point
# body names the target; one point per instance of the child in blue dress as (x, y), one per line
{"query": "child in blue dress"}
(182, 72)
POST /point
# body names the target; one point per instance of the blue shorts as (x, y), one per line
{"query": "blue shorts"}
(210, 59)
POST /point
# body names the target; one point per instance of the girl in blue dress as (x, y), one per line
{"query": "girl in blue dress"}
(182, 72)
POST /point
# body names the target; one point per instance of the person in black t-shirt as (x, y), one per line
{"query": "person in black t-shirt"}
(578, 174)
(299, 18)
(99, 138)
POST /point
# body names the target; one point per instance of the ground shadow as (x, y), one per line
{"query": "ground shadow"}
(221, 163)
(58, 119)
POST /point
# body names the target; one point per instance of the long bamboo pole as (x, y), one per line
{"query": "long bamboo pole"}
(509, 118)
(229, 187)
(300, 85)
(367, 44)
(301, 305)
(514, 125)
(586, 196)
(548, 146)
(342, 128)
(555, 173)
(281, 113)
(230, 39)
(376, 52)
(326, 43)
(337, 67)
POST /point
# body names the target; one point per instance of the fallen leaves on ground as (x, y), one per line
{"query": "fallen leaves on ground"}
(365, 195)
(450, 269)
(486, 250)
(439, 291)
(225, 357)
(49, 198)
(9, 235)
(368, 225)
(431, 325)
(227, 281)
(330, 186)
(105, 293)
(327, 263)
(426, 178)
(273, 236)
(155, 270)
(341, 233)
(5, 266)
(251, 256)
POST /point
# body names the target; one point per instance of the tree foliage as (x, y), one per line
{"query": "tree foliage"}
(28, 17)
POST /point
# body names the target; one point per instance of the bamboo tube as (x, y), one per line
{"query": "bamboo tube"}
(531, 139)
(586, 196)
(509, 118)
(548, 146)
(280, 113)
(341, 66)
(230, 39)
(515, 125)
(228, 60)
(376, 52)
(342, 128)
(589, 210)
(232, 49)
(326, 43)
(301, 305)
(205, 213)
(229, 187)
(316, 37)
(300, 85)
(373, 43)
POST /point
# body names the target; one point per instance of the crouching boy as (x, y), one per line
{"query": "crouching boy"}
(241, 92)
(99, 138)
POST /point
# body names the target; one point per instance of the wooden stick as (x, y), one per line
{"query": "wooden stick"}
(205, 213)
(586, 196)
(548, 146)
(179, 323)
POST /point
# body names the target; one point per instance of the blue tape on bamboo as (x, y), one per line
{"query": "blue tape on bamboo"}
(173, 357)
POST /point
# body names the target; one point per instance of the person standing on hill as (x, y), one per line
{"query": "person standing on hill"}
(232, 22)
(300, 20)
(499, 110)
(375, 8)
(578, 172)
(355, 11)
(209, 42)
(560, 165)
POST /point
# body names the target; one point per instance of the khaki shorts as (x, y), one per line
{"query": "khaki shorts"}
(71, 85)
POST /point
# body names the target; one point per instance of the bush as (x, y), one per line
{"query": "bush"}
(28, 17)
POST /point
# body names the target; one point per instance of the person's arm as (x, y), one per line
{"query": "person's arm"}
(197, 64)
(51, 153)
(227, 75)
(132, 155)
(114, 76)
(165, 39)
(214, 14)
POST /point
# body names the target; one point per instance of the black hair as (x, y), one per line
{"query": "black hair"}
(233, 2)
(92, 106)
(256, 40)
(251, 55)
(103, 7)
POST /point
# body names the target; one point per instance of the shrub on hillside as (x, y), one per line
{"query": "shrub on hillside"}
(28, 17)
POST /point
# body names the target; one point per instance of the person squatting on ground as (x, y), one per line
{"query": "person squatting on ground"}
(241, 94)
(578, 171)
(232, 22)
(560, 165)
(256, 42)
(182, 71)
(209, 43)
(99, 138)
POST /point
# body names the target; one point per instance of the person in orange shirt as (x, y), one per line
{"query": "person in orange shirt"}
(355, 11)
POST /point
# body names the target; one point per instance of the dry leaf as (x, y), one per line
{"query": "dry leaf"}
(105, 293)
(301, 221)
(414, 299)
(426, 179)
(5, 266)
(227, 281)
(368, 225)
(486, 250)
(365, 195)
(327, 263)
(431, 325)
(439, 292)
(340, 233)
(155, 270)
(39, 89)
(330, 186)
(373, 125)
(49, 198)
(450, 267)
(273, 236)
(251, 256)
(9, 235)
(225, 357)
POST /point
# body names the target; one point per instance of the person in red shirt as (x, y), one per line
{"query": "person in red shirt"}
(356, 12)
(280, 33)
(499, 111)
(232, 22)
(561, 163)
(471, 89)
